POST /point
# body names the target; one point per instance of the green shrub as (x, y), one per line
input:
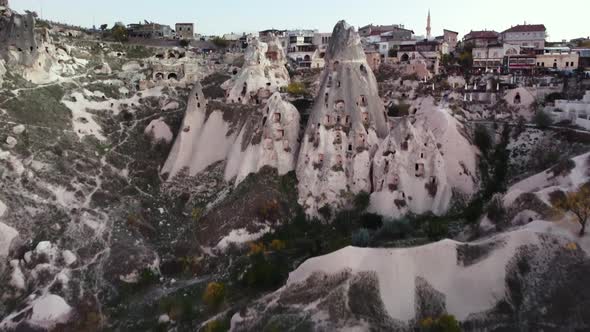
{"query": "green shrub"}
(296, 89)
(371, 221)
(482, 139)
(495, 209)
(401, 109)
(326, 212)
(362, 201)
(214, 294)
(396, 229)
(542, 120)
(361, 238)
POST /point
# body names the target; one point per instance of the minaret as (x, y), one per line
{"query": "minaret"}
(428, 28)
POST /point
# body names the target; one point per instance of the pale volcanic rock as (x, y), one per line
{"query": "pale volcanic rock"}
(346, 125)
(409, 173)
(263, 73)
(275, 143)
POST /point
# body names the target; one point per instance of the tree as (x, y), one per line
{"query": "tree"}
(220, 42)
(119, 33)
(103, 27)
(214, 294)
(578, 203)
(482, 138)
(543, 120)
(185, 42)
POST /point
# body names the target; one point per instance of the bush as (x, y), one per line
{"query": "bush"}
(371, 221)
(185, 43)
(220, 42)
(120, 34)
(326, 212)
(396, 229)
(483, 140)
(361, 238)
(400, 109)
(362, 201)
(436, 229)
(542, 120)
(495, 209)
(296, 89)
(444, 323)
(214, 295)
(217, 326)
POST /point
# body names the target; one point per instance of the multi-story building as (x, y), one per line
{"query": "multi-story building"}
(300, 47)
(521, 63)
(185, 30)
(321, 40)
(149, 30)
(266, 35)
(558, 58)
(528, 36)
(451, 38)
(584, 54)
(426, 51)
(491, 57)
(481, 38)
(371, 29)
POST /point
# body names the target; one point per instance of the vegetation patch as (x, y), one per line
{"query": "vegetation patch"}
(40, 107)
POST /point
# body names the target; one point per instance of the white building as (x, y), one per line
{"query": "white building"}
(558, 58)
(491, 57)
(530, 36)
(576, 111)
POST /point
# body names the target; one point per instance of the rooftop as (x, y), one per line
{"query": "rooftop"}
(481, 34)
(527, 28)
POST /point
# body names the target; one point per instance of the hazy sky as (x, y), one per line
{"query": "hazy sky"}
(563, 20)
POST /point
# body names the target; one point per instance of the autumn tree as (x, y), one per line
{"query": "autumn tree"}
(578, 203)
(214, 294)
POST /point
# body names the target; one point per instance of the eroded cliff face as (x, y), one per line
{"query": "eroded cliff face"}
(409, 173)
(243, 137)
(346, 125)
(263, 74)
(30, 52)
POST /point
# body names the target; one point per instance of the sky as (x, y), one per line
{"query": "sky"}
(224, 16)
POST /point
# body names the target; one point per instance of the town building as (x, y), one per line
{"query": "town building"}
(427, 51)
(371, 29)
(266, 35)
(575, 111)
(300, 47)
(521, 63)
(481, 38)
(451, 38)
(491, 57)
(185, 30)
(149, 30)
(584, 54)
(321, 40)
(531, 36)
(558, 58)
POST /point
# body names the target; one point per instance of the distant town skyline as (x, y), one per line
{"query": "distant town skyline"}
(227, 16)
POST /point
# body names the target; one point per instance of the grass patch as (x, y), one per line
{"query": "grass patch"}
(40, 107)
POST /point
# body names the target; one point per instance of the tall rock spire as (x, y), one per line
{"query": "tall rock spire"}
(346, 124)
(428, 27)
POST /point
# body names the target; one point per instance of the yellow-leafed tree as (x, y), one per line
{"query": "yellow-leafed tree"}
(578, 203)
(214, 294)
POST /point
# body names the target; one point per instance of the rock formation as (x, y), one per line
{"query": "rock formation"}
(346, 125)
(263, 74)
(274, 144)
(409, 173)
(18, 41)
(243, 137)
